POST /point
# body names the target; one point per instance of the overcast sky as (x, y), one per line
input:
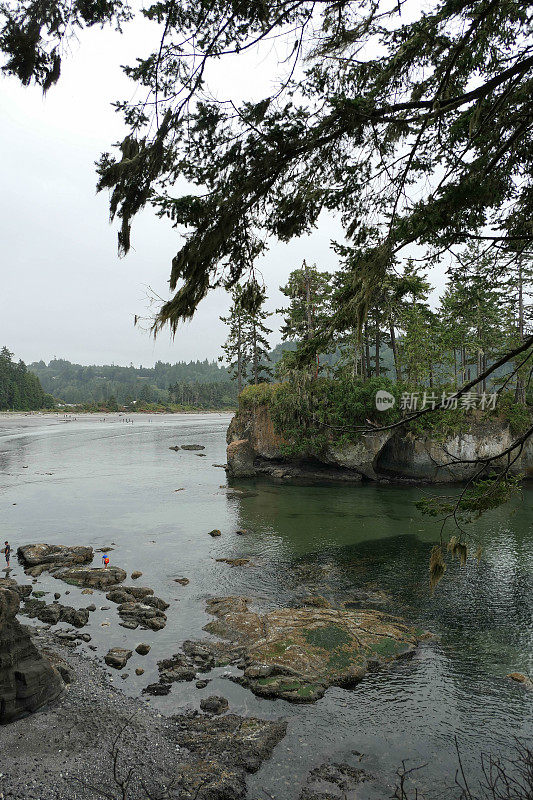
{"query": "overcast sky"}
(65, 292)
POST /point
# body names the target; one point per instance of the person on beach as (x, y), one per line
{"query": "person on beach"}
(105, 560)
(7, 553)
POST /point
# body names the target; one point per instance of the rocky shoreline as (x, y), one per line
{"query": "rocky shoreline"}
(67, 750)
(72, 735)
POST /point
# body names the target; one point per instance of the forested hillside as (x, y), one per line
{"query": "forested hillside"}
(20, 390)
(202, 384)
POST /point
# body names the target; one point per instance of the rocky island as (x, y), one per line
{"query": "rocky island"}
(257, 446)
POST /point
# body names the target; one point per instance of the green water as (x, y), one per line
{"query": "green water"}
(116, 482)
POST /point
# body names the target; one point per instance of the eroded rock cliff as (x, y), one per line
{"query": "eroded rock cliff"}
(27, 679)
(255, 448)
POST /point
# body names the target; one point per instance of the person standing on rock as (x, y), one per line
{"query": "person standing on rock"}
(105, 560)
(7, 553)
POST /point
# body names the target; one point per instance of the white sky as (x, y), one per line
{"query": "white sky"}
(65, 292)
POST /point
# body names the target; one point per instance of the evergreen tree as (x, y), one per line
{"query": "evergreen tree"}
(236, 351)
(247, 349)
(20, 390)
(309, 292)
(255, 337)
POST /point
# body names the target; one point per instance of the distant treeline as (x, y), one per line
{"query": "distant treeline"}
(20, 390)
(201, 384)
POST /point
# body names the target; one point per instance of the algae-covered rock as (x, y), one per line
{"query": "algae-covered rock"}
(297, 653)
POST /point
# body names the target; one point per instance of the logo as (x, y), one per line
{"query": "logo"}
(384, 400)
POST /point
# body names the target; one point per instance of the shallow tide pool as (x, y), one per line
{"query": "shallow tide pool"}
(98, 480)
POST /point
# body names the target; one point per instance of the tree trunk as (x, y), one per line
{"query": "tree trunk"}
(367, 352)
(520, 394)
(394, 346)
(256, 369)
(308, 302)
(378, 343)
(239, 357)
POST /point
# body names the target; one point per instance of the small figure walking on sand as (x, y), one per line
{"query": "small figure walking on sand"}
(7, 553)
(105, 560)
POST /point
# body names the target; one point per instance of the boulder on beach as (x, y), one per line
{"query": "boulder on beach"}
(33, 555)
(215, 532)
(136, 574)
(143, 649)
(117, 657)
(182, 581)
(92, 577)
(27, 679)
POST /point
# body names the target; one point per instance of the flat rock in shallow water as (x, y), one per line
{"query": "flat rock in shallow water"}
(157, 689)
(32, 555)
(524, 680)
(192, 447)
(128, 594)
(92, 577)
(297, 653)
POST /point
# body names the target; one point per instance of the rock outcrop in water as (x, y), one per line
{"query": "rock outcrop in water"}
(92, 577)
(38, 558)
(293, 653)
(27, 679)
(254, 448)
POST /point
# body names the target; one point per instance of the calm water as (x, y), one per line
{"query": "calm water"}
(100, 480)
